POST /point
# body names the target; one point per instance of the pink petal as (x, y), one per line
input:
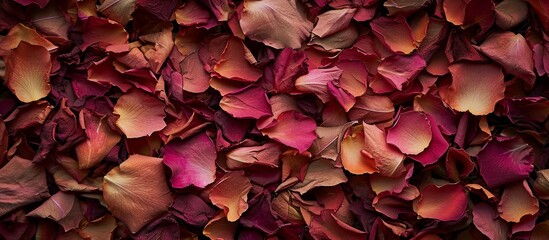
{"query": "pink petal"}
(485, 218)
(437, 147)
(411, 133)
(192, 161)
(316, 81)
(250, 102)
(292, 129)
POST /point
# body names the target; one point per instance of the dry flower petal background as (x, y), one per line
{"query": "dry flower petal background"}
(274, 119)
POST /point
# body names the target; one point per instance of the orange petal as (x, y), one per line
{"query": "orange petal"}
(517, 201)
(233, 65)
(389, 161)
(476, 87)
(21, 33)
(394, 33)
(445, 203)
(351, 157)
(136, 192)
(99, 142)
(159, 46)
(28, 72)
(140, 114)
(231, 194)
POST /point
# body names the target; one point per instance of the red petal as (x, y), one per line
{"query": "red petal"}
(445, 203)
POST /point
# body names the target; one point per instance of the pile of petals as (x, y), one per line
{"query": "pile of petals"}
(274, 119)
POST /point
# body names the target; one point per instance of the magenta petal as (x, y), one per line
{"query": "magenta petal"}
(192, 161)
(511, 156)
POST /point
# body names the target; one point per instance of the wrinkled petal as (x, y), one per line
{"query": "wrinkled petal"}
(332, 21)
(394, 33)
(320, 173)
(398, 70)
(316, 81)
(119, 11)
(485, 218)
(99, 142)
(103, 32)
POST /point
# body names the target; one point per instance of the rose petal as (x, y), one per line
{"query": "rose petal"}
(195, 78)
(372, 109)
(102, 31)
(517, 202)
(394, 33)
(445, 203)
(192, 209)
(293, 129)
(485, 218)
(119, 11)
(99, 142)
(140, 114)
(316, 81)
(192, 161)
(333, 21)
(231, 194)
(398, 70)
(21, 33)
(250, 102)
(436, 148)
(28, 72)
(277, 23)
(233, 65)
(510, 13)
(509, 155)
(288, 66)
(411, 133)
(351, 157)
(320, 173)
(458, 164)
(267, 154)
(136, 192)
(63, 208)
(22, 182)
(476, 87)
(512, 52)
(159, 46)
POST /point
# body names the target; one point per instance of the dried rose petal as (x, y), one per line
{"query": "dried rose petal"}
(136, 192)
(231, 194)
(140, 114)
(445, 203)
(28, 71)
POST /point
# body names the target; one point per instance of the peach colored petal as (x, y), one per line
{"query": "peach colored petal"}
(517, 201)
(389, 161)
(476, 87)
(233, 65)
(158, 47)
(276, 23)
(21, 33)
(136, 192)
(333, 21)
(411, 133)
(28, 72)
(230, 193)
(351, 157)
(99, 142)
(320, 173)
(220, 228)
(140, 114)
(394, 33)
